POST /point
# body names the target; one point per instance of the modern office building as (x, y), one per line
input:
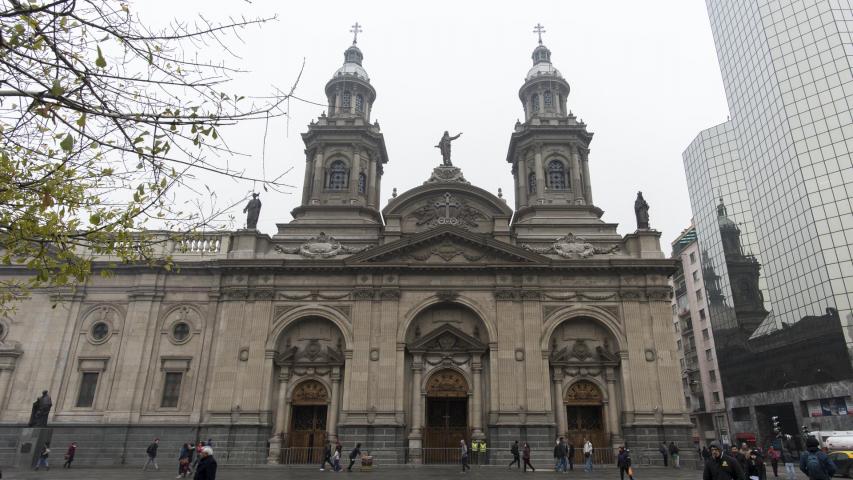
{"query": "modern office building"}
(771, 191)
(703, 392)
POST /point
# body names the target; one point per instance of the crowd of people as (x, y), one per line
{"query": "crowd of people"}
(747, 463)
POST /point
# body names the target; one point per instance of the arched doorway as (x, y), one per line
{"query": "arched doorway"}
(446, 416)
(585, 417)
(308, 416)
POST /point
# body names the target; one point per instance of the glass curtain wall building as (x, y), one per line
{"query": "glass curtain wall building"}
(771, 193)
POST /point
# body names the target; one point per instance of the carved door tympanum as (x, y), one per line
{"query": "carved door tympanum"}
(446, 417)
(308, 422)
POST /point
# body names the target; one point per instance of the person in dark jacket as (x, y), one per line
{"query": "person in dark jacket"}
(571, 456)
(721, 466)
(740, 457)
(206, 468)
(674, 455)
(815, 463)
(623, 461)
(327, 457)
(525, 455)
(516, 456)
(69, 455)
(152, 455)
(664, 452)
(706, 454)
(755, 466)
(354, 455)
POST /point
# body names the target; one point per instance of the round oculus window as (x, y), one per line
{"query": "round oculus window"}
(100, 331)
(181, 331)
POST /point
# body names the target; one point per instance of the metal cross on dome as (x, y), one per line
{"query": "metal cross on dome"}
(356, 29)
(540, 30)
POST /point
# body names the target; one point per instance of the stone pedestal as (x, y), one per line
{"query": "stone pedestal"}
(30, 442)
(446, 174)
(274, 457)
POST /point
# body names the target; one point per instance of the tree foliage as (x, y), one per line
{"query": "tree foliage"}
(100, 118)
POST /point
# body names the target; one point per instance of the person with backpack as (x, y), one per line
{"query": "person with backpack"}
(815, 463)
(354, 455)
(42, 460)
(516, 458)
(152, 455)
(327, 456)
(673, 453)
(623, 461)
(721, 466)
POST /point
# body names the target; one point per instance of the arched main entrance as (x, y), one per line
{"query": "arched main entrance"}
(308, 416)
(446, 414)
(584, 404)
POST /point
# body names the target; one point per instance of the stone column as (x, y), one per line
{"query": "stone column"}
(332, 426)
(477, 407)
(416, 433)
(559, 406)
(540, 171)
(8, 361)
(627, 391)
(587, 182)
(354, 171)
(309, 168)
(278, 440)
(522, 181)
(577, 188)
(319, 177)
(612, 408)
(372, 192)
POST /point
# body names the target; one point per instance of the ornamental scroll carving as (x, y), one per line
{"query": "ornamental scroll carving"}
(584, 393)
(321, 246)
(572, 246)
(447, 383)
(310, 392)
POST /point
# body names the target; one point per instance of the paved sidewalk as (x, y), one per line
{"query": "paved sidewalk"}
(387, 473)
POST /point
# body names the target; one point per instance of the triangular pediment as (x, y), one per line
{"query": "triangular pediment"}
(448, 339)
(448, 246)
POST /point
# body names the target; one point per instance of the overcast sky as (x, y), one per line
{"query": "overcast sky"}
(643, 76)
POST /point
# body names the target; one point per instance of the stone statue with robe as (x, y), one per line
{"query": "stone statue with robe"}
(641, 210)
(41, 409)
(444, 146)
(254, 210)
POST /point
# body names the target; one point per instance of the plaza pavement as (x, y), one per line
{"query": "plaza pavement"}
(386, 473)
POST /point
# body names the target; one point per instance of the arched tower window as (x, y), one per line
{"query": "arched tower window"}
(531, 183)
(556, 175)
(534, 102)
(359, 103)
(548, 98)
(362, 183)
(338, 175)
(346, 101)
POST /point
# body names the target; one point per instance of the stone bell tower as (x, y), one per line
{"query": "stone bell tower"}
(549, 154)
(345, 154)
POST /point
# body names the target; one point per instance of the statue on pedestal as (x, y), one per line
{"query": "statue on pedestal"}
(41, 409)
(641, 210)
(444, 146)
(254, 209)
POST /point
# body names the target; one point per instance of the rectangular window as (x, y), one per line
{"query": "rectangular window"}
(695, 275)
(740, 414)
(699, 294)
(675, 326)
(679, 344)
(709, 355)
(692, 258)
(705, 335)
(88, 384)
(701, 314)
(716, 397)
(713, 375)
(681, 361)
(171, 389)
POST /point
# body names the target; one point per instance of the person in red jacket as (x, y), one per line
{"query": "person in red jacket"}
(69, 455)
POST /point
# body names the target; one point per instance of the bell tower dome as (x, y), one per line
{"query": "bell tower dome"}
(345, 155)
(549, 154)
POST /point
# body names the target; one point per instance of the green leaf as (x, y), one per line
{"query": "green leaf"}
(67, 143)
(56, 89)
(81, 122)
(100, 61)
(95, 218)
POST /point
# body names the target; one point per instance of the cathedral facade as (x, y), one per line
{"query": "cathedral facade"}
(443, 315)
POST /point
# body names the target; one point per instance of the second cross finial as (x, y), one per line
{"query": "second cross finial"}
(539, 29)
(356, 29)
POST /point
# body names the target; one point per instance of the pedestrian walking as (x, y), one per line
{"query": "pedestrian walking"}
(354, 455)
(673, 453)
(740, 457)
(756, 470)
(587, 455)
(336, 458)
(571, 456)
(516, 456)
(463, 452)
(815, 463)
(184, 459)
(564, 453)
(327, 456)
(525, 455)
(664, 451)
(721, 466)
(623, 461)
(198, 448)
(790, 460)
(557, 461)
(43, 455)
(69, 455)
(206, 468)
(706, 454)
(774, 455)
(152, 455)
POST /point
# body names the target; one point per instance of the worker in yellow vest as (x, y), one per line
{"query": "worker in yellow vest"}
(483, 449)
(475, 451)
